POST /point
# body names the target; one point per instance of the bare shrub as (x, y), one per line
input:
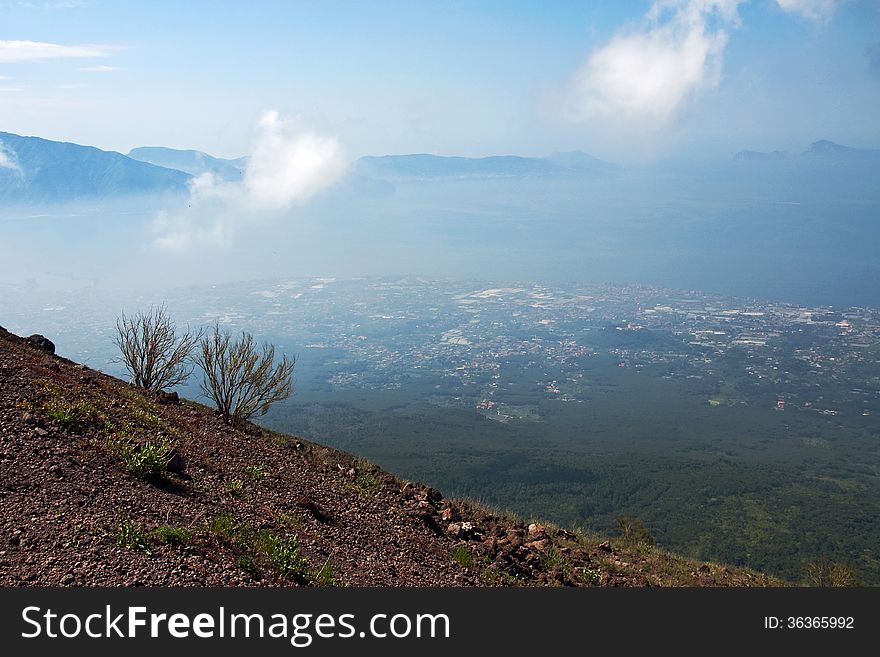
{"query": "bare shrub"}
(824, 572)
(241, 379)
(155, 356)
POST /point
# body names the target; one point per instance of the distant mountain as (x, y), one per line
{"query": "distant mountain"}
(423, 166)
(828, 151)
(192, 162)
(819, 152)
(35, 170)
(758, 156)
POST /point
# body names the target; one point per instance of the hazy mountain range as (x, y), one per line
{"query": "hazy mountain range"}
(819, 152)
(35, 170)
(424, 166)
(192, 162)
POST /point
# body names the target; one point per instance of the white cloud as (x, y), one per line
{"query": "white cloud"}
(648, 74)
(32, 51)
(101, 68)
(287, 166)
(815, 10)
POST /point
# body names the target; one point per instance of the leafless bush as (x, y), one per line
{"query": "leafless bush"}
(242, 380)
(155, 356)
(824, 572)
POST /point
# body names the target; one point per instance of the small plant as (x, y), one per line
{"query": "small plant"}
(368, 482)
(588, 576)
(463, 556)
(290, 519)
(75, 539)
(129, 534)
(145, 461)
(554, 560)
(324, 576)
(75, 417)
(261, 549)
(282, 553)
(248, 565)
(255, 471)
(222, 526)
(172, 536)
(494, 576)
(633, 532)
(235, 486)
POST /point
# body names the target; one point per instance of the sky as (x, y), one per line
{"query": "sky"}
(627, 81)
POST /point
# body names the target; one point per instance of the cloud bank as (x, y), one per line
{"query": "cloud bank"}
(649, 73)
(12, 52)
(287, 166)
(815, 10)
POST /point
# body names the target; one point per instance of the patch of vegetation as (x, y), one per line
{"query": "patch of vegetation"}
(283, 553)
(367, 482)
(463, 556)
(324, 576)
(268, 549)
(130, 534)
(146, 461)
(248, 565)
(261, 550)
(141, 415)
(554, 560)
(633, 532)
(78, 416)
(256, 471)
(495, 576)
(588, 576)
(172, 536)
(235, 486)
(222, 526)
(147, 419)
(290, 519)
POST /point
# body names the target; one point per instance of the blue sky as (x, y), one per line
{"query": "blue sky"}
(626, 81)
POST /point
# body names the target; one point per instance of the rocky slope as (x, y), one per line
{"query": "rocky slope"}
(252, 507)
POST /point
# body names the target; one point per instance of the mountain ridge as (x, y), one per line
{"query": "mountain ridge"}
(818, 151)
(42, 170)
(190, 161)
(426, 165)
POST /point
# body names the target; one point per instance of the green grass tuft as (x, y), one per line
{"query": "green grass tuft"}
(235, 486)
(145, 461)
(256, 471)
(368, 483)
(463, 556)
(172, 536)
(130, 534)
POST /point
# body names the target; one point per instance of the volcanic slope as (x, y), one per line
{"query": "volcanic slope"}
(82, 506)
